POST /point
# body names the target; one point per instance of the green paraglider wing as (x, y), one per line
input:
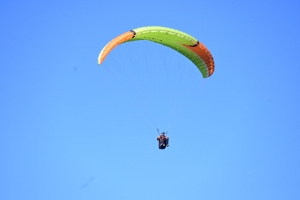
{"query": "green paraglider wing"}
(181, 42)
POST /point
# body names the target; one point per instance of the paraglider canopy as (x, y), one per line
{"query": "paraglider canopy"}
(181, 42)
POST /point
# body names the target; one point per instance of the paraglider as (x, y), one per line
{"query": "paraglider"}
(179, 41)
(163, 140)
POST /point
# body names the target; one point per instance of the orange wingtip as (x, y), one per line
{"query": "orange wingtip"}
(113, 43)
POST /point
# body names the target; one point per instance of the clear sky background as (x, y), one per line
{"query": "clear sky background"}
(71, 129)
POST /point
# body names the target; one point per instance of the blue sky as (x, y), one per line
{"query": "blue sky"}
(71, 129)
